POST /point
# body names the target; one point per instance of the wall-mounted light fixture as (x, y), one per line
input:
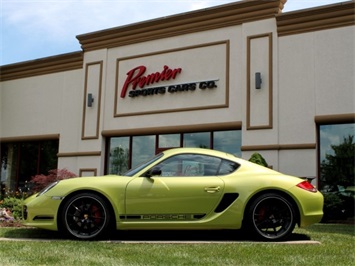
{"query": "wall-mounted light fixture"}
(90, 99)
(258, 80)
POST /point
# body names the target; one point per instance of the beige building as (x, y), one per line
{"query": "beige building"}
(241, 77)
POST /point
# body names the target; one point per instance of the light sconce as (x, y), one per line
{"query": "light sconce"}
(258, 80)
(90, 99)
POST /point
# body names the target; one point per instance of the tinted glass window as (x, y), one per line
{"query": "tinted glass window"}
(118, 157)
(228, 141)
(227, 167)
(337, 146)
(190, 165)
(169, 140)
(197, 140)
(143, 148)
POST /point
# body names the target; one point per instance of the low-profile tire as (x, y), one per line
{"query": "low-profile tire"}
(271, 217)
(85, 216)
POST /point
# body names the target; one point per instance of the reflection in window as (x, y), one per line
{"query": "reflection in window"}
(169, 140)
(197, 140)
(190, 165)
(118, 157)
(143, 148)
(227, 167)
(337, 156)
(228, 141)
(22, 160)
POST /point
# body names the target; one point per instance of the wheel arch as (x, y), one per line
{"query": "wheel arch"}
(279, 192)
(107, 201)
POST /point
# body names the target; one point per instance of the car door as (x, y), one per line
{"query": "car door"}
(186, 189)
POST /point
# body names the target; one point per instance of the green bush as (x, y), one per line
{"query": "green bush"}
(337, 207)
(258, 159)
(14, 204)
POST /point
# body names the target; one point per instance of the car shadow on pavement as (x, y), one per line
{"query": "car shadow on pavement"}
(151, 235)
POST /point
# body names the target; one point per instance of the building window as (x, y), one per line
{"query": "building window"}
(143, 148)
(118, 155)
(336, 154)
(22, 160)
(197, 140)
(124, 153)
(169, 140)
(228, 141)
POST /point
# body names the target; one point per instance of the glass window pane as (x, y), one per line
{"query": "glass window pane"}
(197, 140)
(143, 148)
(28, 162)
(169, 140)
(190, 165)
(118, 157)
(9, 165)
(337, 148)
(48, 156)
(228, 167)
(228, 141)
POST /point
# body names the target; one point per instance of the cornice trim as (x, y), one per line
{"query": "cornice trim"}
(42, 66)
(30, 138)
(173, 129)
(314, 19)
(194, 21)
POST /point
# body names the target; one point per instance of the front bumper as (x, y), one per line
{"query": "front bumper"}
(41, 212)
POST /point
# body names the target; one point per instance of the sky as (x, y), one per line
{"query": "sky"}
(33, 29)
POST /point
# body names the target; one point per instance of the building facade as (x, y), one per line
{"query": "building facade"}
(242, 78)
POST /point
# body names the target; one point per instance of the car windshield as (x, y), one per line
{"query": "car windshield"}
(135, 170)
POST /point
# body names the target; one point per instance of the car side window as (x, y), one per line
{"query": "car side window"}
(189, 165)
(227, 167)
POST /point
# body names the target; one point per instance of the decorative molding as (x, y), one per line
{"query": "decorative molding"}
(216, 106)
(270, 84)
(79, 154)
(173, 129)
(175, 25)
(306, 146)
(30, 138)
(48, 65)
(314, 19)
(98, 90)
(334, 119)
(90, 170)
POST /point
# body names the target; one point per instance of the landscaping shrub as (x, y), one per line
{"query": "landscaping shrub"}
(39, 182)
(14, 204)
(258, 159)
(14, 200)
(337, 207)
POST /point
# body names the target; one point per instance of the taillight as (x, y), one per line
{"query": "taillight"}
(307, 186)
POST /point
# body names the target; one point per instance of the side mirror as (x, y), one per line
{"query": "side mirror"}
(153, 172)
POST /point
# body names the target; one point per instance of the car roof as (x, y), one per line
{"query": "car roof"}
(201, 151)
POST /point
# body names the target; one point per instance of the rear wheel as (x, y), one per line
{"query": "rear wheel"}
(86, 216)
(271, 217)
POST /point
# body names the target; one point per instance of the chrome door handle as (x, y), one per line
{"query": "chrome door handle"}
(212, 189)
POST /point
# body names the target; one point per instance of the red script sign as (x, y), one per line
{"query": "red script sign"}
(136, 78)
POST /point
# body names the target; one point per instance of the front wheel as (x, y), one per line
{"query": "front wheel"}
(271, 217)
(86, 216)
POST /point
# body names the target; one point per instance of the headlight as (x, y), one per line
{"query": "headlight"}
(45, 190)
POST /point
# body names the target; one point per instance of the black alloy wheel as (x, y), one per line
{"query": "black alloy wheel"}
(271, 217)
(86, 216)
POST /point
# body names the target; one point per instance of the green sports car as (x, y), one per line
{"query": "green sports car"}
(184, 188)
